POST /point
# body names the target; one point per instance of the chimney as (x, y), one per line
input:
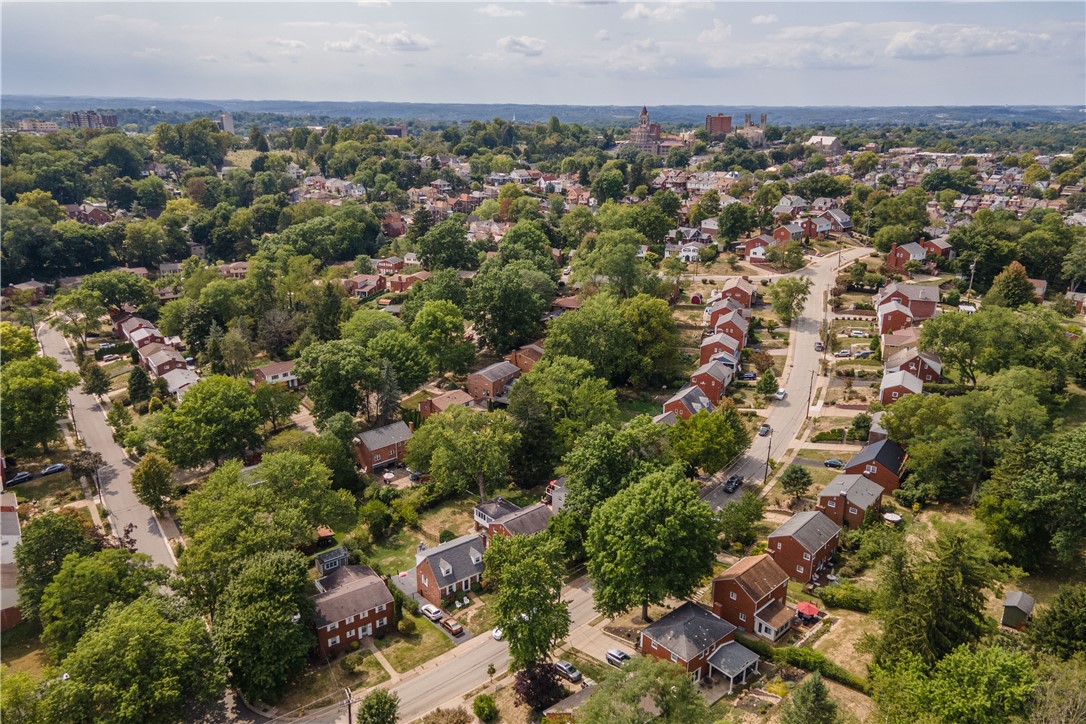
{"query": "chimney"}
(411, 426)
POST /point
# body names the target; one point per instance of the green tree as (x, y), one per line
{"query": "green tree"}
(655, 359)
(460, 447)
(152, 480)
(139, 385)
(367, 323)
(96, 381)
(810, 703)
(84, 588)
(652, 540)
(16, 343)
(20, 698)
(738, 520)
(439, 327)
(338, 376)
(597, 333)
(404, 354)
(788, 296)
(619, 697)
(46, 542)
(263, 630)
(275, 403)
(796, 480)
(1011, 288)
(119, 288)
(143, 242)
(77, 312)
(527, 574)
(507, 302)
(709, 440)
(145, 662)
(215, 420)
(446, 245)
(1058, 628)
(608, 185)
(35, 394)
(379, 707)
(767, 383)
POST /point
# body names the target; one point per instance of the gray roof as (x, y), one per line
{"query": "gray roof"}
(688, 630)
(885, 452)
(732, 659)
(692, 399)
(499, 371)
(349, 591)
(717, 370)
(665, 418)
(528, 521)
(1022, 601)
(457, 554)
(915, 292)
(497, 508)
(392, 434)
(857, 490)
(811, 529)
(337, 553)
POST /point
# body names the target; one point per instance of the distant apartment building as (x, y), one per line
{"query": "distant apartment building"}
(225, 122)
(718, 125)
(91, 119)
(30, 125)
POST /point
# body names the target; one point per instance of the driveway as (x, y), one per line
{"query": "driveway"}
(116, 475)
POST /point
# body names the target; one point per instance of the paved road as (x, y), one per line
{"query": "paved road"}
(116, 475)
(786, 416)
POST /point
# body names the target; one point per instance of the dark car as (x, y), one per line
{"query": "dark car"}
(568, 671)
(19, 478)
(764, 430)
(54, 468)
(748, 376)
(733, 483)
(452, 626)
(863, 354)
(834, 463)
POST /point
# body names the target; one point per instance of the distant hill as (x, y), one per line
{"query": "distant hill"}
(593, 115)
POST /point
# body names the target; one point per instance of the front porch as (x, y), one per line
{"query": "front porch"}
(734, 662)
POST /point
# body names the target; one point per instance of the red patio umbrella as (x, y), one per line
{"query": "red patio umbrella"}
(807, 609)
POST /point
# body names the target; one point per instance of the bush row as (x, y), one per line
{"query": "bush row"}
(807, 659)
(848, 595)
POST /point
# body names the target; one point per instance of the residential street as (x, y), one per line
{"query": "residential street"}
(800, 379)
(116, 475)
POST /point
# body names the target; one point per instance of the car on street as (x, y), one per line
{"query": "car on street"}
(497, 634)
(857, 333)
(780, 394)
(431, 612)
(843, 353)
(748, 376)
(764, 430)
(617, 657)
(819, 347)
(834, 463)
(52, 469)
(568, 671)
(19, 478)
(452, 626)
(733, 483)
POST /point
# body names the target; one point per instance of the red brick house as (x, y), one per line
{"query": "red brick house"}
(804, 544)
(751, 595)
(687, 402)
(144, 336)
(893, 316)
(393, 225)
(700, 642)
(523, 521)
(815, 227)
(159, 359)
(896, 385)
(490, 382)
(754, 249)
(434, 405)
(788, 232)
(235, 270)
(525, 357)
(712, 378)
(126, 325)
(718, 344)
(927, 367)
(35, 289)
(883, 462)
(351, 602)
(489, 511)
(939, 246)
(897, 257)
(449, 568)
(381, 447)
(364, 286)
(740, 290)
(847, 498)
(894, 342)
(839, 220)
(922, 301)
(11, 533)
(733, 325)
(402, 282)
(389, 265)
(278, 373)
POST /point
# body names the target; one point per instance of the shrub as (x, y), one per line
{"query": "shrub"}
(476, 588)
(807, 659)
(848, 595)
(445, 536)
(485, 708)
(407, 626)
(355, 645)
(538, 686)
(459, 715)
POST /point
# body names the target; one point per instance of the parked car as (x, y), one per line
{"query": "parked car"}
(19, 478)
(733, 483)
(107, 345)
(819, 347)
(568, 671)
(431, 612)
(748, 376)
(834, 463)
(764, 429)
(497, 634)
(54, 468)
(780, 394)
(568, 270)
(452, 626)
(857, 333)
(863, 354)
(110, 357)
(843, 353)
(617, 657)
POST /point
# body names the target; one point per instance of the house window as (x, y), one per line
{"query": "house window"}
(377, 457)
(425, 581)
(893, 395)
(350, 633)
(732, 595)
(870, 469)
(831, 503)
(799, 569)
(332, 626)
(778, 545)
(742, 617)
(806, 556)
(674, 657)
(852, 510)
(382, 622)
(350, 620)
(380, 608)
(334, 641)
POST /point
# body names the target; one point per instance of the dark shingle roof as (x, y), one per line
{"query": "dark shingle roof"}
(811, 529)
(499, 371)
(529, 521)
(392, 434)
(757, 575)
(348, 591)
(1022, 601)
(457, 554)
(497, 508)
(857, 490)
(688, 630)
(885, 452)
(733, 658)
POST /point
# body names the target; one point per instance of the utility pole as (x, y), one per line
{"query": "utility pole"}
(350, 713)
(765, 477)
(972, 270)
(810, 394)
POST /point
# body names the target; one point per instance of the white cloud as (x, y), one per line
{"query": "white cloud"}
(135, 25)
(286, 43)
(940, 41)
(716, 34)
(252, 57)
(642, 56)
(837, 31)
(764, 19)
(499, 11)
(522, 44)
(794, 56)
(404, 41)
(307, 24)
(373, 3)
(602, 36)
(662, 12)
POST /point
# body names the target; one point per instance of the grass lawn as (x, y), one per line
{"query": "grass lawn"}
(59, 485)
(454, 515)
(120, 382)
(823, 455)
(412, 402)
(21, 650)
(407, 652)
(479, 619)
(396, 553)
(839, 644)
(1074, 412)
(117, 366)
(629, 409)
(323, 684)
(592, 668)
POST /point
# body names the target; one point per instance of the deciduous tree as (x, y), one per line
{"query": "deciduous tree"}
(460, 447)
(796, 480)
(379, 707)
(788, 295)
(439, 327)
(35, 394)
(152, 479)
(709, 440)
(215, 420)
(46, 541)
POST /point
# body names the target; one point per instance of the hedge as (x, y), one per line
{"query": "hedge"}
(807, 659)
(848, 595)
(120, 349)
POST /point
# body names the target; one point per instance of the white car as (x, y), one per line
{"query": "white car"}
(431, 612)
(497, 634)
(780, 394)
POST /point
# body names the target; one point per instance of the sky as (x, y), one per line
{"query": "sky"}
(557, 52)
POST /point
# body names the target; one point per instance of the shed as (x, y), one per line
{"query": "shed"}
(1017, 609)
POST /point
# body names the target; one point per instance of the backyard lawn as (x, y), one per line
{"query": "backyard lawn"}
(407, 652)
(21, 650)
(323, 684)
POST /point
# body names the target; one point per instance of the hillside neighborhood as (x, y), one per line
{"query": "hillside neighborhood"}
(544, 422)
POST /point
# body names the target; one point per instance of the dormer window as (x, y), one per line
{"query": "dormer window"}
(446, 569)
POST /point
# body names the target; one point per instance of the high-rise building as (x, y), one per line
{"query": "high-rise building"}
(91, 119)
(225, 122)
(718, 125)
